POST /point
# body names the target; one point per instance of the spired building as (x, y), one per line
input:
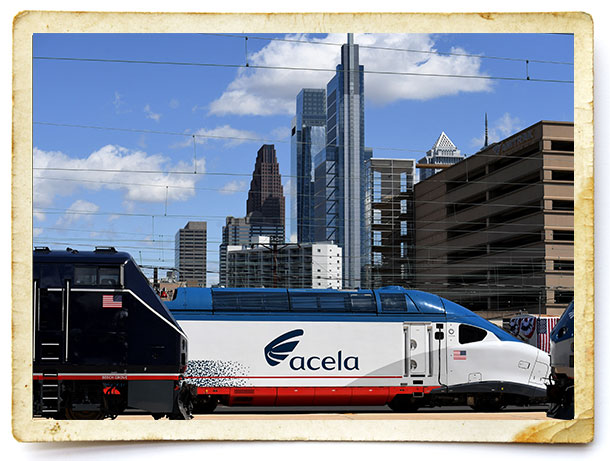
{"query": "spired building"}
(444, 153)
(265, 206)
(308, 137)
(190, 253)
(340, 173)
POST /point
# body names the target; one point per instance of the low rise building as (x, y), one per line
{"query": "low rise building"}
(284, 265)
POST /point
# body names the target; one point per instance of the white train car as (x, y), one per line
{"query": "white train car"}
(403, 348)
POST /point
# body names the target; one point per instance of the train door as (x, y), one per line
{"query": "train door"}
(423, 361)
(51, 304)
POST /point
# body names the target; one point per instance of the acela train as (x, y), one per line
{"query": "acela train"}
(403, 348)
(561, 387)
(103, 342)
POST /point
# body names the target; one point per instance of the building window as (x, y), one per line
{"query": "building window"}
(403, 249)
(376, 238)
(403, 206)
(377, 258)
(404, 182)
(376, 216)
(403, 228)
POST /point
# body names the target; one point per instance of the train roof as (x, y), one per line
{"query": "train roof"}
(106, 255)
(304, 300)
(191, 303)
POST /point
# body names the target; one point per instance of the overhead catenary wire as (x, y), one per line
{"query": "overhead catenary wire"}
(479, 154)
(384, 48)
(300, 69)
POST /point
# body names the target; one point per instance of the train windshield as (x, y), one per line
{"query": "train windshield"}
(565, 326)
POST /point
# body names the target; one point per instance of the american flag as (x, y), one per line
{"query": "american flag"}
(545, 326)
(112, 301)
(459, 355)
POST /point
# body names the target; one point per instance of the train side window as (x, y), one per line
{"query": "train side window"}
(393, 302)
(85, 275)
(470, 334)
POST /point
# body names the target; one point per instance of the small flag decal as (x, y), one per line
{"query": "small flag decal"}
(112, 301)
(459, 355)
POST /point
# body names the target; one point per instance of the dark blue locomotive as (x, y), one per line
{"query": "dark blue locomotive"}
(103, 342)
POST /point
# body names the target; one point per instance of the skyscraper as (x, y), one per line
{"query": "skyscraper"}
(341, 182)
(191, 253)
(307, 139)
(265, 204)
(444, 153)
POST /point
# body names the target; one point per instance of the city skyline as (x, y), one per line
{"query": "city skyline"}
(132, 129)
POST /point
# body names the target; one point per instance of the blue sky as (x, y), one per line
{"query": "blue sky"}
(147, 113)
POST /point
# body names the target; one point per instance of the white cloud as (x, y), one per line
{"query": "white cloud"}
(281, 132)
(118, 102)
(150, 114)
(272, 91)
(231, 137)
(500, 129)
(89, 175)
(80, 209)
(36, 231)
(233, 187)
(174, 103)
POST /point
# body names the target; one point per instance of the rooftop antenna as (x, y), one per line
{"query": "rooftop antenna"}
(486, 138)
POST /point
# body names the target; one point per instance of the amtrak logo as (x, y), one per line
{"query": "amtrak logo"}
(278, 349)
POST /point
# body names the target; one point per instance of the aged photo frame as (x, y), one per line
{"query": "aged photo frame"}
(418, 427)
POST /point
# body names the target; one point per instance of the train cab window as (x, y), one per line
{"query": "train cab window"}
(96, 276)
(470, 334)
(109, 276)
(85, 275)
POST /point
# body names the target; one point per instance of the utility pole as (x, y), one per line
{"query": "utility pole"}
(275, 248)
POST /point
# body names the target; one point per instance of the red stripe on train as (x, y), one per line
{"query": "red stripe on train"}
(272, 396)
(77, 377)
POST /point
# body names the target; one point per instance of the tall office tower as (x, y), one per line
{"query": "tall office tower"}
(265, 204)
(444, 153)
(340, 182)
(390, 213)
(191, 253)
(308, 137)
(235, 232)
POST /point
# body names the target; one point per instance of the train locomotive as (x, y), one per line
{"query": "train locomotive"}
(390, 346)
(104, 344)
(561, 387)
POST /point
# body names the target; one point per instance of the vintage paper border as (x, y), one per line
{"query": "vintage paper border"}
(426, 428)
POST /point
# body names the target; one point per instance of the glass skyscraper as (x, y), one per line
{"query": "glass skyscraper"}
(307, 139)
(340, 181)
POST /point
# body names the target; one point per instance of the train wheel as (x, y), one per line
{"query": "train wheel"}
(405, 404)
(83, 415)
(204, 405)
